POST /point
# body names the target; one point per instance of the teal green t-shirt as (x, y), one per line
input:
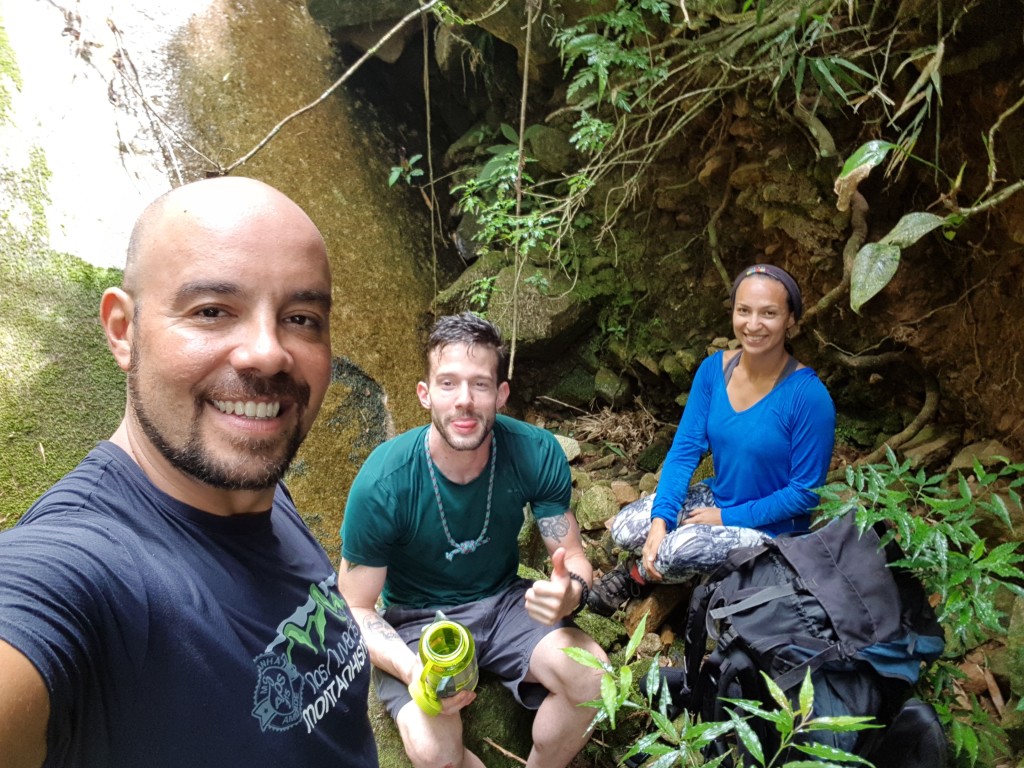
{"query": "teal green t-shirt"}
(392, 518)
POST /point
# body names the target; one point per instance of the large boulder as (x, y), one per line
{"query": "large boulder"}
(535, 302)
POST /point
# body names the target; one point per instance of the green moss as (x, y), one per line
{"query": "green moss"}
(60, 390)
(8, 71)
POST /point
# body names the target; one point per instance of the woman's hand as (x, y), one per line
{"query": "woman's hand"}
(650, 551)
(704, 516)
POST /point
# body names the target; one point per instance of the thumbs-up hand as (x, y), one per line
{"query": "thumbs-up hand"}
(549, 600)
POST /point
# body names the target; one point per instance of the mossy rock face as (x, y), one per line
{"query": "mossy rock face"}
(60, 390)
(494, 715)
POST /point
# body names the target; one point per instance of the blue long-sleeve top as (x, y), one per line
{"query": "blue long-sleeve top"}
(768, 459)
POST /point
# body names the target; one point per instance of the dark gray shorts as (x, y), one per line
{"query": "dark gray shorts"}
(504, 636)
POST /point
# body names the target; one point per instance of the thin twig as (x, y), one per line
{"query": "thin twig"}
(564, 405)
(337, 83)
(505, 752)
(532, 7)
(991, 143)
(434, 213)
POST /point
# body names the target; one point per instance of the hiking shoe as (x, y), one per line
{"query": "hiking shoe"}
(612, 590)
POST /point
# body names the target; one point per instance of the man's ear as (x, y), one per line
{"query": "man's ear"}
(117, 312)
(503, 392)
(423, 393)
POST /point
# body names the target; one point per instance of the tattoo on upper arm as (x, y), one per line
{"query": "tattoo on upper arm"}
(376, 625)
(553, 527)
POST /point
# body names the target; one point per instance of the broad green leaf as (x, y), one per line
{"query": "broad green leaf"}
(869, 154)
(873, 268)
(509, 133)
(912, 228)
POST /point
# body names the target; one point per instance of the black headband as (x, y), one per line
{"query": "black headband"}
(796, 302)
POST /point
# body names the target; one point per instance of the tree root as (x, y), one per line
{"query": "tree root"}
(858, 234)
(923, 418)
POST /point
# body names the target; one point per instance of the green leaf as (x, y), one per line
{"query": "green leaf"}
(637, 637)
(395, 175)
(842, 723)
(509, 133)
(586, 658)
(749, 738)
(609, 697)
(911, 228)
(873, 268)
(776, 692)
(869, 154)
(806, 694)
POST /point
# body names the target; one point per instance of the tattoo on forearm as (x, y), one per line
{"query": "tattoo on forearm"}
(377, 626)
(553, 527)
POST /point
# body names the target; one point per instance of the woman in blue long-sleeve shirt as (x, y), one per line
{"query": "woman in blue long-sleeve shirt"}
(769, 423)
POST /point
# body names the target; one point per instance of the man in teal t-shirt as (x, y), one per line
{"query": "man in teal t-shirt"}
(432, 523)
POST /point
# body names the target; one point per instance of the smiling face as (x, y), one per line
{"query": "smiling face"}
(760, 314)
(228, 347)
(463, 394)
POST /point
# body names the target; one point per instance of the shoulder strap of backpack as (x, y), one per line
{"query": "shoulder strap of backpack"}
(764, 595)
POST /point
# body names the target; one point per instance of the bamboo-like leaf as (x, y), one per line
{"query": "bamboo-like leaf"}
(930, 69)
(586, 658)
(873, 268)
(609, 697)
(637, 637)
(749, 738)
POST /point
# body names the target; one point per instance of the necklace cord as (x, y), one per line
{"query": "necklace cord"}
(463, 547)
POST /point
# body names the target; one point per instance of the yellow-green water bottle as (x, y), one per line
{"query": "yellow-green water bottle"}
(449, 663)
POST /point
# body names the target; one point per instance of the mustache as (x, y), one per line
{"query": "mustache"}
(246, 386)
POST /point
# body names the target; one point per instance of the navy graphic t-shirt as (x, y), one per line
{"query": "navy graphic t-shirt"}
(171, 637)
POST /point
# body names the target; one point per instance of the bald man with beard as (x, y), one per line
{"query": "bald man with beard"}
(163, 604)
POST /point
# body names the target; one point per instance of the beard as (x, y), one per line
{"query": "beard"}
(254, 464)
(463, 442)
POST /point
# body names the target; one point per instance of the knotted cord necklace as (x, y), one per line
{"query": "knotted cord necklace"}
(462, 548)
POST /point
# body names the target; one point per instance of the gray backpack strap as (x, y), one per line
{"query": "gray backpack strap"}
(790, 366)
(730, 366)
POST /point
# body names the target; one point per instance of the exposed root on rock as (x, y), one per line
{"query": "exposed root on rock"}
(929, 408)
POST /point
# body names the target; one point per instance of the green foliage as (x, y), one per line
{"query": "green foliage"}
(937, 519)
(407, 171)
(615, 46)
(501, 198)
(876, 263)
(835, 76)
(480, 292)
(680, 742)
(539, 281)
(974, 737)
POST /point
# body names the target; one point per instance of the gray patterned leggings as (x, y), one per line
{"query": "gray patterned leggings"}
(689, 549)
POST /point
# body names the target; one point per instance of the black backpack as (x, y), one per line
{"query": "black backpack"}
(826, 601)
